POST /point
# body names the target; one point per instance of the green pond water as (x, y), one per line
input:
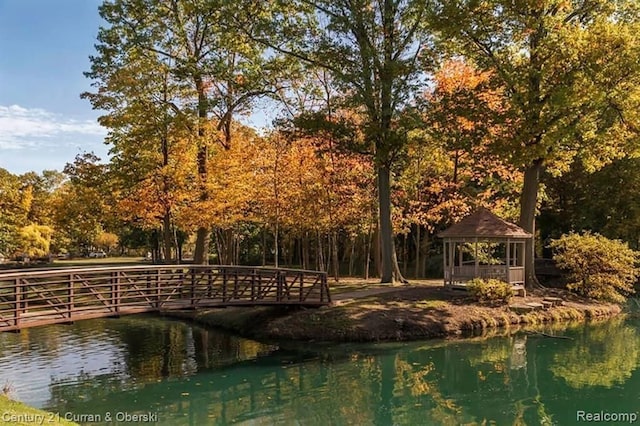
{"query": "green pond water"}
(109, 371)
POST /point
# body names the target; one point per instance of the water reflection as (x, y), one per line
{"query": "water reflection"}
(605, 354)
(191, 376)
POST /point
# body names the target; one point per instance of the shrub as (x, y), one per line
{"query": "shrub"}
(490, 290)
(596, 266)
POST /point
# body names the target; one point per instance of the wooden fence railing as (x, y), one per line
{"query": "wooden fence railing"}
(33, 298)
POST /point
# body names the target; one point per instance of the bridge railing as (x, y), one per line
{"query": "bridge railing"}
(30, 298)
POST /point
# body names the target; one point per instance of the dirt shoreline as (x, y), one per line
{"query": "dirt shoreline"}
(414, 313)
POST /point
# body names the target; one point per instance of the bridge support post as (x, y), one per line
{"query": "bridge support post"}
(301, 275)
(192, 292)
(280, 279)
(235, 283)
(224, 285)
(253, 285)
(18, 306)
(324, 289)
(70, 298)
(115, 292)
(158, 296)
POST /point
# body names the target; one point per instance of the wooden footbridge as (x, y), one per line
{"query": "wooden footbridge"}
(33, 298)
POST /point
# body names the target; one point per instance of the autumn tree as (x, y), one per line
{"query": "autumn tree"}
(219, 72)
(569, 72)
(321, 121)
(34, 240)
(153, 157)
(373, 49)
(449, 167)
(106, 241)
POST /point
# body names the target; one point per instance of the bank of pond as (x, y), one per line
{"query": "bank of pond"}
(180, 373)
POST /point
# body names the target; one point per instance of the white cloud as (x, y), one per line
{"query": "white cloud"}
(23, 128)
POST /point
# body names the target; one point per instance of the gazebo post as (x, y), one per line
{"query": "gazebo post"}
(444, 260)
(475, 257)
(508, 260)
(452, 259)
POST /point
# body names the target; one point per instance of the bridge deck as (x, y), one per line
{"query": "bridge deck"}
(29, 299)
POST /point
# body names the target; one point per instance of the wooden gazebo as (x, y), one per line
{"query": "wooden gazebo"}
(484, 246)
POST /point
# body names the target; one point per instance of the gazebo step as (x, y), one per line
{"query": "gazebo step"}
(521, 309)
(556, 301)
(519, 290)
(536, 306)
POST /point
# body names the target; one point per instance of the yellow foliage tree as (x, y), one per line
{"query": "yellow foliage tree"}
(34, 240)
(106, 241)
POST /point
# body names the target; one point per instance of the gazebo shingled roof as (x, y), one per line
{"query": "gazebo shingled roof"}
(484, 224)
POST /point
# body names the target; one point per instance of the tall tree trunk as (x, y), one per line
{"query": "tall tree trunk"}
(405, 253)
(386, 228)
(264, 246)
(527, 221)
(367, 253)
(305, 251)
(425, 258)
(276, 235)
(320, 255)
(397, 273)
(201, 252)
(418, 247)
(178, 245)
(376, 250)
(352, 256)
(167, 236)
(290, 251)
(334, 255)
(237, 251)
(229, 238)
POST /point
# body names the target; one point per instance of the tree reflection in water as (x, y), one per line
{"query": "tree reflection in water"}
(605, 354)
(189, 375)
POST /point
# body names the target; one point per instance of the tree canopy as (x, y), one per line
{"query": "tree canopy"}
(394, 119)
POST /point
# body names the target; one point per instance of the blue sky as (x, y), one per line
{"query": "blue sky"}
(44, 49)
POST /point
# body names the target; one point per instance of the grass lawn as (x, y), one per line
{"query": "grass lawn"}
(349, 284)
(65, 263)
(115, 261)
(14, 413)
(423, 310)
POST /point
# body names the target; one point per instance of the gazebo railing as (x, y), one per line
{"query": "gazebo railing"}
(512, 274)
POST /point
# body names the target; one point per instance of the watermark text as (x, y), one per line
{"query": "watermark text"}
(606, 417)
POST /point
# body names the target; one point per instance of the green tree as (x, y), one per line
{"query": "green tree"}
(576, 201)
(13, 211)
(570, 75)
(82, 206)
(597, 267)
(606, 354)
